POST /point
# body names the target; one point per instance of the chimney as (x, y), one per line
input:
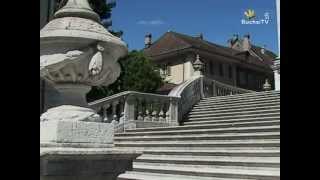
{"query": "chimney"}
(246, 43)
(201, 36)
(263, 49)
(148, 40)
(233, 40)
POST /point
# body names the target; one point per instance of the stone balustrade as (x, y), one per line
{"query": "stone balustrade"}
(193, 90)
(130, 110)
(190, 93)
(216, 88)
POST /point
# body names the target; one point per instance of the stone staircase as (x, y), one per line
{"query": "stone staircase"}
(227, 137)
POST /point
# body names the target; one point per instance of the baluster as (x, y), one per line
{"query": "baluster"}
(162, 117)
(154, 111)
(161, 114)
(105, 112)
(160, 110)
(114, 111)
(121, 107)
(214, 89)
(147, 116)
(167, 116)
(140, 109)
(148, 111)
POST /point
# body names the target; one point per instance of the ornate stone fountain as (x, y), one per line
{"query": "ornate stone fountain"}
(77, 52)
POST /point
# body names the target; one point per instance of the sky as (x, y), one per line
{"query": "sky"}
(217, 20)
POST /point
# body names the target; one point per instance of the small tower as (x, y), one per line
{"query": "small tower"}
(148, 40)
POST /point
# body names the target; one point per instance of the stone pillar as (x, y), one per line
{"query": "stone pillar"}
(173, 109)
(276, 70)
(198, 66)
(129, 113)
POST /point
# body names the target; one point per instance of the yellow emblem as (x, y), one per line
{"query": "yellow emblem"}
(250, 14)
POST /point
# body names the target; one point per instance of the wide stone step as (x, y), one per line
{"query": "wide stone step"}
(274, 128)
(223, 152)
(201, 148)
(233, 102)
(211, 122)
(255, 94)
(230, 136)
(249, 112)
(239, 109)
(212, 160)
(241, 96)
(234, 105)
(237, 99)
(212, 126)
(244, 105)
(209, 172)
(233, 116)
(205, 143)
(132, 175)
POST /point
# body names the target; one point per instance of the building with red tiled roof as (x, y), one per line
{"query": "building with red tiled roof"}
(241, 64)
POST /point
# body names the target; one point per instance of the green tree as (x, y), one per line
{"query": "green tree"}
(98, 6)
(138, 74)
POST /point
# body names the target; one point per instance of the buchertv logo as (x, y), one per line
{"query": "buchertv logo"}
(251, 18)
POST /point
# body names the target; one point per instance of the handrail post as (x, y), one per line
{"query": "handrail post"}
(173, 109)
(201, 87)
(129, 110)
(214, 89)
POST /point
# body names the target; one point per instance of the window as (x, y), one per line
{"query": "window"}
(165, 70)
(230, 72)
(211, 70)
(221, 69)
(168, 70)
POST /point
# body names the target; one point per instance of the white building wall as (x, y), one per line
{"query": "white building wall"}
(277, 81)
(180, 73)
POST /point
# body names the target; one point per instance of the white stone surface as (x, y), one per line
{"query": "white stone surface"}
(76, 49)
(277, 81)
(70, 113)
(77, 52)
(64, 131)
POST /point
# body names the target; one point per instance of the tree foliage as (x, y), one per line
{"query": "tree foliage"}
(138, 74)
(99, 6)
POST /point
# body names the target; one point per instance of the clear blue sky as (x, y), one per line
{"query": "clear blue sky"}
(218, 20)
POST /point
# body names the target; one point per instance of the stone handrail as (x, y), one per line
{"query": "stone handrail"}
(216, 88)
(193, 90)
(190, 93)
(128, 108)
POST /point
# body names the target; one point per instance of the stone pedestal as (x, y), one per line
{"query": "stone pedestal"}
(83, 163)
(73, 145)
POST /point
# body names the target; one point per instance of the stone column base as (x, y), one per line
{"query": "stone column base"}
(63, 163)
